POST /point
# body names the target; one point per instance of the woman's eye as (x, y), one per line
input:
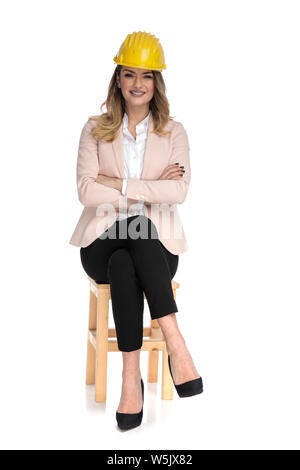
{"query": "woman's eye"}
(129, 75)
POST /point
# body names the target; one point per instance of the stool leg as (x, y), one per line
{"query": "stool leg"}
(91, 352)
(102, 344)
(153, 366)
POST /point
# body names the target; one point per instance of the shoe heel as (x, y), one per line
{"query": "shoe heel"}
(128, 421)
(187, 389)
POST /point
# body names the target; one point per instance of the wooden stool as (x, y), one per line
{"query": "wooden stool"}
(98, 344)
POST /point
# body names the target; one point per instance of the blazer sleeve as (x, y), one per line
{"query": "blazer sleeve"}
(166, 191)
(90, 192)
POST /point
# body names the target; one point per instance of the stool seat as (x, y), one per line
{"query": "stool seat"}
(102, 340)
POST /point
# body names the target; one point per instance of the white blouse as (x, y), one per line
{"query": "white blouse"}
(134, 150)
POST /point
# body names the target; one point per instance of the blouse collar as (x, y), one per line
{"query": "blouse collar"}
(141, 126)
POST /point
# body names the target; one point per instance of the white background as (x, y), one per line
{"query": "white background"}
(232, 79)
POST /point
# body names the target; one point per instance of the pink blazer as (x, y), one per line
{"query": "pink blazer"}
(160, 196)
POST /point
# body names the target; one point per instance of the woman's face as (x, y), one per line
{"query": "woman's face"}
(135, 79)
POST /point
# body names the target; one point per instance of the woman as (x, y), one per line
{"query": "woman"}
(133, 168)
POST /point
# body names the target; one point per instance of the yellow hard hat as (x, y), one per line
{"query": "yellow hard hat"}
(141, 50)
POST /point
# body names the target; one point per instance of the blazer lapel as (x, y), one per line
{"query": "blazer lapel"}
(118, 150)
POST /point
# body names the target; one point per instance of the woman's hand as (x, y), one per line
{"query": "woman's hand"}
(110, 181)
(172, 172)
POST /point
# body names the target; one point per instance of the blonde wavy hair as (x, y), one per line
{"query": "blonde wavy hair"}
(109, 122)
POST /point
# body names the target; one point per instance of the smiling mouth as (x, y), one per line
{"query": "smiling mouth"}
(137, 93)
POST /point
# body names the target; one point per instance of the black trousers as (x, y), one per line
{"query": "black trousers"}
(132, 264)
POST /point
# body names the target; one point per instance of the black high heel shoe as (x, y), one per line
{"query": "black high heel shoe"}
(190, 388)
(130, 420)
